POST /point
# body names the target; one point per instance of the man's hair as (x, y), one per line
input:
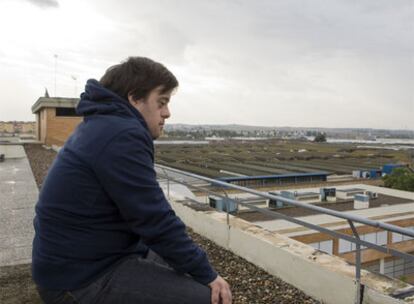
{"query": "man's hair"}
(138, 76)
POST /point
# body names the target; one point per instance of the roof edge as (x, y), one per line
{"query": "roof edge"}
(54, 102)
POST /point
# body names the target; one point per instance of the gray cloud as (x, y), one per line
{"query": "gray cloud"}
(45, 3)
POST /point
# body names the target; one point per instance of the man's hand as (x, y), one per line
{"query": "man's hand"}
(220, 291)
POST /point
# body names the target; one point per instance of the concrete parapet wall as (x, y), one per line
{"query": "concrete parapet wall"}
(326, 278)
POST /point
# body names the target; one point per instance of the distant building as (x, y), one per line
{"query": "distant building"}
(377, 173)
(6, 127)
(17, 127)
(28, 127)
(56, 119)
(388, 168)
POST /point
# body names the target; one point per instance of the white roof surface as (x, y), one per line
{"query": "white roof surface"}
(387, 213)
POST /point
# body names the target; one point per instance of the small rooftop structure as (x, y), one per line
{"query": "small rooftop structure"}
(263, 180)
(56, 119)
(303, 196)
(361, 201)
(388, 168)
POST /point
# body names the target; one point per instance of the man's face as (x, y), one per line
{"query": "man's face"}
(154, 109)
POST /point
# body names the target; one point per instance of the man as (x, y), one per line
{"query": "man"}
(104, 232)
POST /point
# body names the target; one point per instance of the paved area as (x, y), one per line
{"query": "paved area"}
(18, 195)
(12, 151)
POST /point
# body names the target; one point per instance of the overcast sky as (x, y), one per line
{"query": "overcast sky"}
(332, 63)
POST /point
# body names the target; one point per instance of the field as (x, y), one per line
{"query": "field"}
(232, 158)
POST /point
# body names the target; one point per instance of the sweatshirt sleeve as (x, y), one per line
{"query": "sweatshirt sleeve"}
(126, 171)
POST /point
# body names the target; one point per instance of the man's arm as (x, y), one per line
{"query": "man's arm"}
(126, 171)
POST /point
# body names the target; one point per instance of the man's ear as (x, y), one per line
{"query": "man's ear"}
(134, 101)
(131, 99)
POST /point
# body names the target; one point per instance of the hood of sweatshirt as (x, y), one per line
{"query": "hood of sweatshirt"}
(97, 100)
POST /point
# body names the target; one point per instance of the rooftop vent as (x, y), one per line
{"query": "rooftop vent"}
(223, 204)
(361, 201)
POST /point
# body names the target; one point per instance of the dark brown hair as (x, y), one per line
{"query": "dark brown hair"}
(138, 76)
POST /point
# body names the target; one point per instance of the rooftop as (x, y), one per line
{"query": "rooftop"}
(250, 284)
(278, 254)
(340, 205)
(390, 205)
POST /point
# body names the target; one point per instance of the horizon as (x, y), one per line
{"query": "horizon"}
(253, 126)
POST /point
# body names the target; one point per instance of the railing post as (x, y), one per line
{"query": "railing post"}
(357, 264)
(227, 207)
(168, 183)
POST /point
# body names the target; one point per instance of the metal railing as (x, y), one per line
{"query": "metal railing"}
(172, 174)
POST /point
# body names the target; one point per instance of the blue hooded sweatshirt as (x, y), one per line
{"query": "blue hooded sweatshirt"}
(101, 201)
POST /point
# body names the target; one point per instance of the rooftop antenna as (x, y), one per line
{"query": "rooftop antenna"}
(75, 78)
(56, 56)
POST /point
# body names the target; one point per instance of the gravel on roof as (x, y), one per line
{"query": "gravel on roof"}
(249, 283)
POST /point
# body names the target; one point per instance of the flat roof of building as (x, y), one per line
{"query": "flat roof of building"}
(54, 102)
(384, 213)
(400, 202)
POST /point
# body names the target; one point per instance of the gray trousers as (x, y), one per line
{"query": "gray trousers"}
(135, 280)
